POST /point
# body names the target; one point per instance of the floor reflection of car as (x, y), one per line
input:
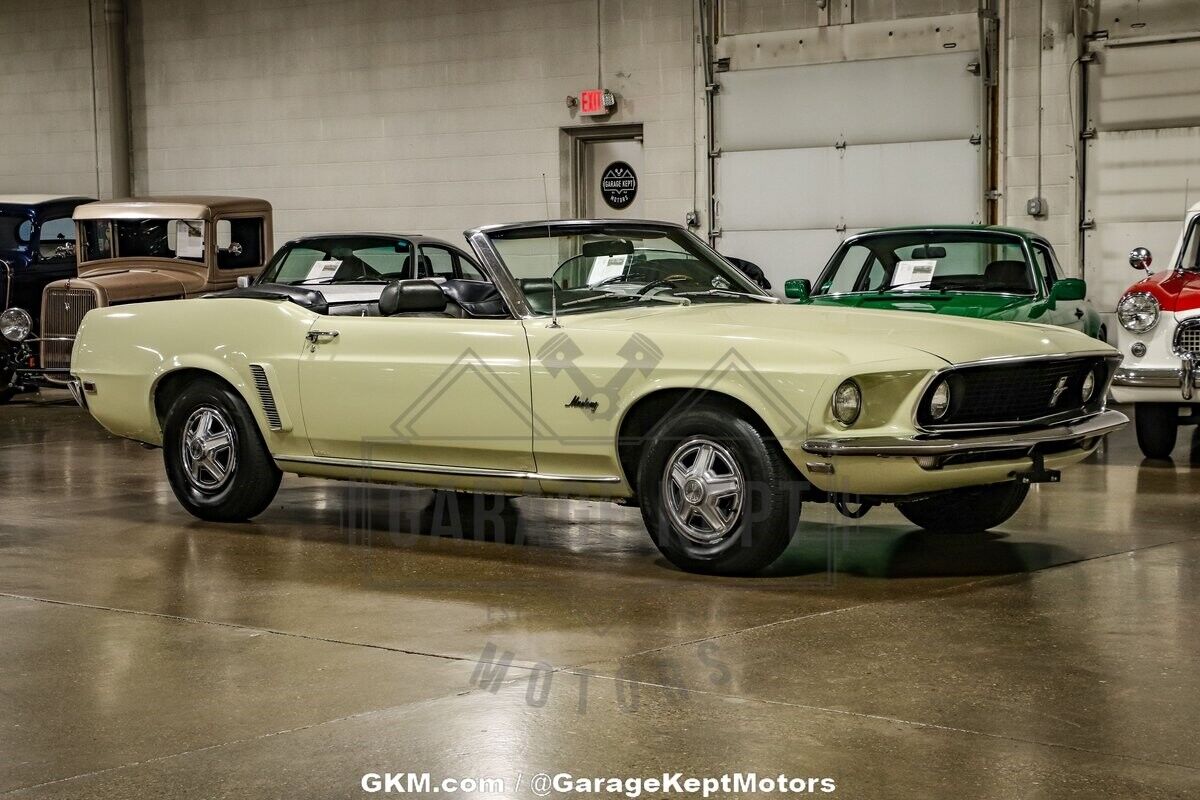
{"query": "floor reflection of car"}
(37, 247)
(968, 271)
(622, 361)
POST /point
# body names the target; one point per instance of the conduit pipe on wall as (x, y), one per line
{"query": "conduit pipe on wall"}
(118, 95)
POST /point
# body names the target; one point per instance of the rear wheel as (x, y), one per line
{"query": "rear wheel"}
(969, 510)
(716, 496)
(217, 463)
(1157, 427)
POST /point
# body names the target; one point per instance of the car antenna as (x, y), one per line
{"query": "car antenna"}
(554, 304)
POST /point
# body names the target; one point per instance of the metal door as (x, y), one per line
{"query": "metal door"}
(612, 176)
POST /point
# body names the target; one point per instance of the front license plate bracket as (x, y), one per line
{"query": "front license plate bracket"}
(1039, 473)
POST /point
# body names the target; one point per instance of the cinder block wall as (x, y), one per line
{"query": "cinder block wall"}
(48, 140)
(403, 116)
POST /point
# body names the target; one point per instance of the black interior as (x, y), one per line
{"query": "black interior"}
(453, 298)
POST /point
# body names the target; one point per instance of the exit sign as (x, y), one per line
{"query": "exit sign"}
(596, 102)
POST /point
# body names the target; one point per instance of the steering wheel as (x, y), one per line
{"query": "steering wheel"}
(670, 279)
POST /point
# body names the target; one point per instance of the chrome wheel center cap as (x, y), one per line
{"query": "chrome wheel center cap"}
(693, 491)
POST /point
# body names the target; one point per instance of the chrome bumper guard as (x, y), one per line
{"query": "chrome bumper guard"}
(928, 444)
(1185, 378)
(76, 387)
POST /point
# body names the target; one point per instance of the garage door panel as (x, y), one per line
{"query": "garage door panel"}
(912, 184)
(780, 189)
(784, 254)
(1107, 270)
(1148, 175)
(860, 102)
(1147, 86)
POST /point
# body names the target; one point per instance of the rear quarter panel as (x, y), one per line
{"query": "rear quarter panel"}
(126, 351)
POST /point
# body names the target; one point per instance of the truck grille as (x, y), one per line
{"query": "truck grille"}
(1014, 393)
(62, 313)
(1187, 338)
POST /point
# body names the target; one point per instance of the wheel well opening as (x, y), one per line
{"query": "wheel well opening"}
(171, 384)
(651, 409)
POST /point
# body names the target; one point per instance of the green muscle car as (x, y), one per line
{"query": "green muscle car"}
(986, 272)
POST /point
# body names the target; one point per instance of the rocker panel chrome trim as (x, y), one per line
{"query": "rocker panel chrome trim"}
(441, 469)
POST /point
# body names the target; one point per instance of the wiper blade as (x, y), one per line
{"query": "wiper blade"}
(728, 293)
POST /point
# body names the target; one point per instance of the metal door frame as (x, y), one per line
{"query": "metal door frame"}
(575, 141)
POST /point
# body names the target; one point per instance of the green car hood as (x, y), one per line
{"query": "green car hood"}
(979, 305)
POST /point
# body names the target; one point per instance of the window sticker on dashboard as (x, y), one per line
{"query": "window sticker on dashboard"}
(913, 274)
(323, 269)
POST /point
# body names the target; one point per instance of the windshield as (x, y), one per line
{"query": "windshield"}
(15, 232)
(923, 261)
(596, 267)
(340, 259)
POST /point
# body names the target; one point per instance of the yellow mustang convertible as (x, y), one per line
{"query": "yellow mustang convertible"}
(610, 360)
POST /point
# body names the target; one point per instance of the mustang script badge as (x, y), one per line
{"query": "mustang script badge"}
(583, 402)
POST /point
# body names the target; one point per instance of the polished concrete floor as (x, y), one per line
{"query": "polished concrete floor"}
(146, 654)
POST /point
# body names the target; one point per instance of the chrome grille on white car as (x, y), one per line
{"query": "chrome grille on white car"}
(1187, 338)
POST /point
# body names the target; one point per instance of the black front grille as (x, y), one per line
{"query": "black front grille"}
(1017, 392)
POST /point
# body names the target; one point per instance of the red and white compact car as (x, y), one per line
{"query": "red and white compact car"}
(1160, 337)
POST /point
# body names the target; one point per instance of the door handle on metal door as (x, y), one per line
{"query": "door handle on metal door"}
(316, 337)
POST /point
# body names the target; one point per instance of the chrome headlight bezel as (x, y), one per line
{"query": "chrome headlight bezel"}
(1088, 389)
(940, 398)
(16, 324)
(1138, 312)
(846, 403)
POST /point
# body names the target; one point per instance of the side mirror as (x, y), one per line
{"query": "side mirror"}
(1069, 289)
(1139, 258)
(243, 281)
(798, 288)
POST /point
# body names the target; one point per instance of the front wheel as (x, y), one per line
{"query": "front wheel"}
(1157, 426)
(969, 510)
(717, 497)
(217, 463)
(7, 390)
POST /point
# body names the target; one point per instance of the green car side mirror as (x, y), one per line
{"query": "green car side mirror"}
(797, 288)
(1069, 289)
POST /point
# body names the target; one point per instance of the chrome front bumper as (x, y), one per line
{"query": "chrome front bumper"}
(1185, 378)
(932, 444)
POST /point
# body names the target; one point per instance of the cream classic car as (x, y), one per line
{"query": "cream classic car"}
(611, 360)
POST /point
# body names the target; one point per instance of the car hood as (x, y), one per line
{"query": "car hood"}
(858, 334)
(126, 285)
(1175, 290)
(980, 305)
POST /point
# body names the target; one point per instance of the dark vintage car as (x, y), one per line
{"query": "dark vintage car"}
(37, 247)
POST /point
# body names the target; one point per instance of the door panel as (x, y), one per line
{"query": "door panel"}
(421, 390)
(598, 156)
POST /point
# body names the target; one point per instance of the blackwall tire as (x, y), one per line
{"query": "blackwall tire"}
(1157, 426)
(7, 392)
(734, 511)
(217, 463)
(969, 510)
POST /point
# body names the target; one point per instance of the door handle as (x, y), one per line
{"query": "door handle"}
(1079, 313)
(316, 337)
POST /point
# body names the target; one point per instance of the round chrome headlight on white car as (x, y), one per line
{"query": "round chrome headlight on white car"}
(847, 402)
(1138, 312)
(15, 324)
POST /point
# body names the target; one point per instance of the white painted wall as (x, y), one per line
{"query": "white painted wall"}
(404, 116)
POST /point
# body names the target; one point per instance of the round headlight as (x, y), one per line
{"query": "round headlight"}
(1089, 387)
(15, 324)
(939, 401)
(847, 402)
(1138, 312)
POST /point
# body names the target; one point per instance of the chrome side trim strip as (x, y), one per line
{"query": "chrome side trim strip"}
(439, 469)
(931, 445)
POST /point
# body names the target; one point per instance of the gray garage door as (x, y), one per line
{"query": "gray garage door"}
(810, 154)
(1142, 165)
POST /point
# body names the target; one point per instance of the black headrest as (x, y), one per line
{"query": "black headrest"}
(1009, 274)
(537, 284)
(400, 297)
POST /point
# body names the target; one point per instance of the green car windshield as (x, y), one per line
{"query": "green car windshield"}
(924, 261)
(599, 267)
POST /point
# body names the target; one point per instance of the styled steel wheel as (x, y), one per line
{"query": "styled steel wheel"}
(217, 462)
(704, 490)
(716, 491)
(209, 449)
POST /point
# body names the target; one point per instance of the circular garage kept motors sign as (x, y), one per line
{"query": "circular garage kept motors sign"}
(618, 185)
